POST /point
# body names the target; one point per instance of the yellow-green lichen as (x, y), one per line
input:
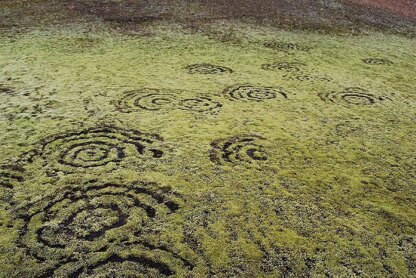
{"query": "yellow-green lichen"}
(317, 181)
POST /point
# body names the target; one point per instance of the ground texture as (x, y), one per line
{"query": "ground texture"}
(207, 138)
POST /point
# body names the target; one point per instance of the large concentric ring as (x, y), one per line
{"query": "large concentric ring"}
(352, 96)
(248, 92)
(245, 150)
(90, 217)
(97, 147)
(147, 99)
(205, 68)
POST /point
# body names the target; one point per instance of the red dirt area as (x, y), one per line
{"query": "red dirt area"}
(400, 7)
(350, 16)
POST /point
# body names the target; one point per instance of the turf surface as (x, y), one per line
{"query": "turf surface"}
(272, 153)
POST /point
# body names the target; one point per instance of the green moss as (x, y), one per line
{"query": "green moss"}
(329, 192)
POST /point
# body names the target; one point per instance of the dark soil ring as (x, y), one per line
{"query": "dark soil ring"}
(352, 96)
(286, 46)
(253, 93)
(200, 105)
(96, 147)
(115, 265)
(283, 66)
(377, 61)
(6, 90)
(146, 99)
(239, 150)
(10, 175)
(84, 218)
(310, 78)
(135, 259)
(207, 69)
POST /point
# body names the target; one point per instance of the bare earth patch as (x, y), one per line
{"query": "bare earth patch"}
(405, 8)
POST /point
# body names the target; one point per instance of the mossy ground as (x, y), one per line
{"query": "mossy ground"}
(334, 194)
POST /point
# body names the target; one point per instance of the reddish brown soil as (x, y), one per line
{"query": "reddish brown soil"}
(323, 15)
(400, 7)
(312, 14)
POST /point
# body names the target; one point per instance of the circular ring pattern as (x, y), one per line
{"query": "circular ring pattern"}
(349, 129)
(284, 66)
(97, 147)
(200, 105)
(310, 78)
(146, 99)
(238, 150)
(286, 46)
(114, 265)
(130, 259)
(205, 68)
(248, 92)
(378, 61)
(89, 218)
(352, 96)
